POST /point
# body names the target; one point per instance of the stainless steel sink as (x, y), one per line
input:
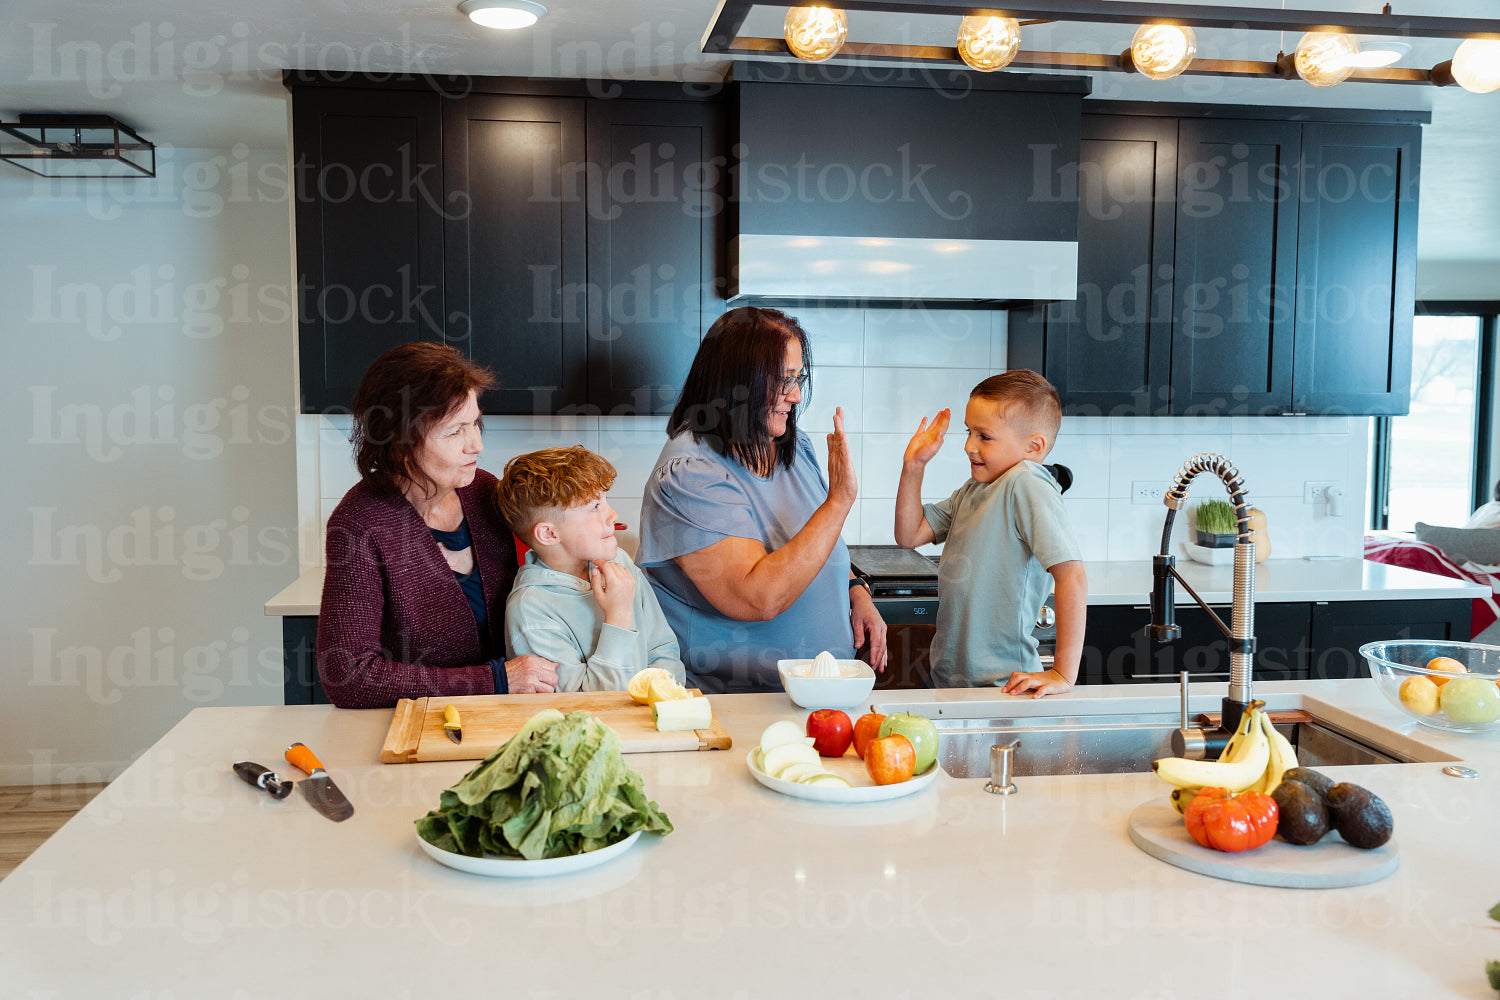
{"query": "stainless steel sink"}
(1107, 744)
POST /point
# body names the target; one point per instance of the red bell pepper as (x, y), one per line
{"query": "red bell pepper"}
(1227, 822)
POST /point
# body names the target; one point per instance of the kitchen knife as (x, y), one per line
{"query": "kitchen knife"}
(319, 787)
(263, 777)
(451, 724)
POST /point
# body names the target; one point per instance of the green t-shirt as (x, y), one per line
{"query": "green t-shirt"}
(1001, 537)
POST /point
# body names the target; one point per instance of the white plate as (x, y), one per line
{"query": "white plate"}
(863, 789)
(521, 868)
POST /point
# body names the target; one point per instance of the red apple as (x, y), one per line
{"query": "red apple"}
(831, 731)
(890, 760)
(866, 728)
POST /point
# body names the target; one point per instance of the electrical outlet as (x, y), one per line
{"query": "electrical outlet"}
(1147, 492)
(1316, 492)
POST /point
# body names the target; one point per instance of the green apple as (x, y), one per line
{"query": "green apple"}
(920, 730)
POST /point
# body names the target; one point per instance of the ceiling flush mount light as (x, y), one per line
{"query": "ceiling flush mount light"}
(76, 146)
(1375, 51)
(503, 14)
(988, 43)
(815, 33)
(1160, 51)
(1325, 58)
(1474, 67)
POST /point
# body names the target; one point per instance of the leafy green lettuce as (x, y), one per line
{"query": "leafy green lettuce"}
(558, 787)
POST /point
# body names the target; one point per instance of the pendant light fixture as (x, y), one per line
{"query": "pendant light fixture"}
(988, 43)
(1336, 45)
(815, 33)
(1474, 67)
(1326, 58)
(1160, 51)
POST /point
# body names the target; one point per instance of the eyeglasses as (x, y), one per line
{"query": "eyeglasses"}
(785, 383)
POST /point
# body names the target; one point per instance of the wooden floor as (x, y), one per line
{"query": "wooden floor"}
(29, 814)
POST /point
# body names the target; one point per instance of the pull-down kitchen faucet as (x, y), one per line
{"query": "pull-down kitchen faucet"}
(1197, 743)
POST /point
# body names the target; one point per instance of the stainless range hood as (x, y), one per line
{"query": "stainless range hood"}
(878, 187)
(870, 267)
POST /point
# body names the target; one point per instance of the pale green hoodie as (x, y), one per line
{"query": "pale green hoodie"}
(554, 615)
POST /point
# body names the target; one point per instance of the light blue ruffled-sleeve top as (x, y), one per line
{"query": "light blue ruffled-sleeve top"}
(696, 497)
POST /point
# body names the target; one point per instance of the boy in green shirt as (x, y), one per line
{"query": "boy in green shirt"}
(1005, 531)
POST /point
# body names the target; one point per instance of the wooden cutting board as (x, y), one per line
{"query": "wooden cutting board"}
(416, 732)
(1328, 864)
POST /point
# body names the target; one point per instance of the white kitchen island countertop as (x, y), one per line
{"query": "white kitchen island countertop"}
(181, 881)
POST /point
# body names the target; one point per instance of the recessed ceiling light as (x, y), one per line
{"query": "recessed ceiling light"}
(502, 13)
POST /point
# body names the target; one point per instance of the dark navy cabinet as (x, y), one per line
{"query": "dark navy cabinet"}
(1236, 261)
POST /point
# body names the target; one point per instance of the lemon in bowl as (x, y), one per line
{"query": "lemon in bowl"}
(1446, 685)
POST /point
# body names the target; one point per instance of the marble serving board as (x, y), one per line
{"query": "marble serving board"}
(1329, 864)
(416, 730)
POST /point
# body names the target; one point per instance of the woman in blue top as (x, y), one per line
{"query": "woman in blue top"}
(739, 529)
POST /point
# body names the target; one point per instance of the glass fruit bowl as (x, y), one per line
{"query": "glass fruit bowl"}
(1464, 697)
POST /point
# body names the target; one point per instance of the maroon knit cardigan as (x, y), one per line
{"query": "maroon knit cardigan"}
(394, 622)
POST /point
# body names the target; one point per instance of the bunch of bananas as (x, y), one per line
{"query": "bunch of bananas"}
(1255, 758)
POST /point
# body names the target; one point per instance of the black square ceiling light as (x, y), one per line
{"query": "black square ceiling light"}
(52, 145)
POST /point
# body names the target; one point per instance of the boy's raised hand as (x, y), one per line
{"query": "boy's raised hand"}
(928, 439)
(614, 589)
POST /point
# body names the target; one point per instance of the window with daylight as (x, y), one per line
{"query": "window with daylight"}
(1431, 455)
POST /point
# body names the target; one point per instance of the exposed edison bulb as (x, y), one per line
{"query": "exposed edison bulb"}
(1325, 58)
(1476, 65)
(988, 43)
(815, 33)
(1161, 51)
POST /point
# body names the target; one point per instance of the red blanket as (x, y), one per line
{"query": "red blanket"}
(1430, 559)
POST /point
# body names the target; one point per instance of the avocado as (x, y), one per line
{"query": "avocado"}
(1316, 780)
(1359, 815)
(1302, 818)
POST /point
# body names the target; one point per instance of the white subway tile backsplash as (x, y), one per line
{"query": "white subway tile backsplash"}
(505, 443)
(833, 387)
(1087, 457)
(1157, 457)
(1089, 520)
(888, 368)
(336, 472)
(897, 399)
(1157, 426)
(632, 445)
(836, 336)
(1135, 530)
(1279, 469)
(1073, 426)
(880, 471)
(928, 338)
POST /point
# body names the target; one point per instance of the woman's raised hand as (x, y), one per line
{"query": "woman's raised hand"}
(842, 485)
(928, 439)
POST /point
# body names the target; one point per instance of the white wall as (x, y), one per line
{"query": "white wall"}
(1458, 280)
(150, 501)
(889, 368)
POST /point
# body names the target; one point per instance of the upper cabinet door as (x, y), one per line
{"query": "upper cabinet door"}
(1108, 351)
(1235, 277)
(369, 218)
(1356, 293)
(655, 212)
(517, 294)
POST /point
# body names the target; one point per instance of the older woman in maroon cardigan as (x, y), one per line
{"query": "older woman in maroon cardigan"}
(419, 562)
